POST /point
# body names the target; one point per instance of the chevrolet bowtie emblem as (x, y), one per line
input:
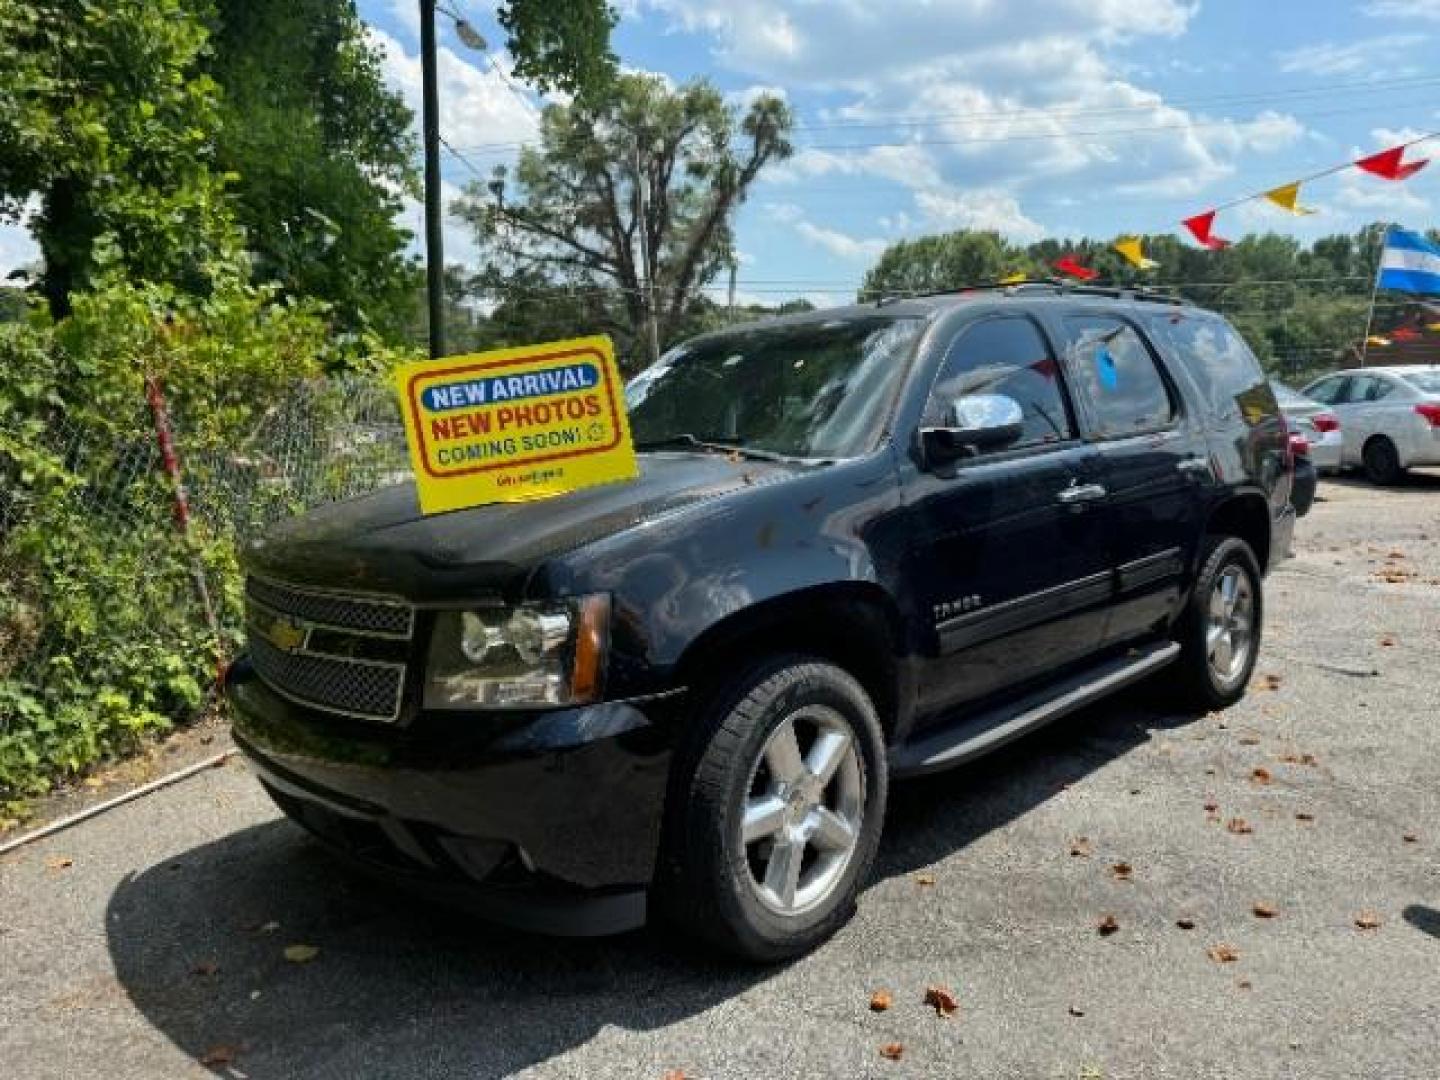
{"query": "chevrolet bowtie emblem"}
(285, 635)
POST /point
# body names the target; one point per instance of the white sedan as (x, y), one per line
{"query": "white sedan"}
(1389, 417)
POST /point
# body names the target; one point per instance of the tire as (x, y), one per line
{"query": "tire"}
(714, 884)
(1381, 461)
(1202, 686)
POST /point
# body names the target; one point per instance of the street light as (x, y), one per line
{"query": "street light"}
(430, 134)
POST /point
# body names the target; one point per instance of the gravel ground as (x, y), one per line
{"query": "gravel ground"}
(142, 942)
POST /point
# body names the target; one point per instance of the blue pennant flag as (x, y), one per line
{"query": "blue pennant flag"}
(1410, 263)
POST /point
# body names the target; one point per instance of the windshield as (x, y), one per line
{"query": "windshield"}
(812, 390)
(1427, 382)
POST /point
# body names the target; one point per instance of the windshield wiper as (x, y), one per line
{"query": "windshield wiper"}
(715, 444)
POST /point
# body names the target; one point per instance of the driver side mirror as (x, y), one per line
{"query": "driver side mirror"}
(973, 424)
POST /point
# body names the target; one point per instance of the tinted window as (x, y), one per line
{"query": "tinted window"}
(1116, 372)
(1363, 388)
(1328, 390)
(1010, 357)
(1219, 362)
(811, 389)
(1290, 399)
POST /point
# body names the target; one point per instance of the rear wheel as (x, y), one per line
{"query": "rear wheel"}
(1219, 633)
(1382, 461)
(776, 811)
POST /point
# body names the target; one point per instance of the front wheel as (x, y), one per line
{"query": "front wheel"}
(776, 810)
(1219, 632)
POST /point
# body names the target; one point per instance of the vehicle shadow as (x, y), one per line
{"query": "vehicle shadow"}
(400, 987)
(1425, 919)
(1427, 479)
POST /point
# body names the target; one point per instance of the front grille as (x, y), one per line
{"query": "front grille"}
(370, 616)
(338, 654)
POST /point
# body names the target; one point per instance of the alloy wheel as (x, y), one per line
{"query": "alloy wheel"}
(1230, 627)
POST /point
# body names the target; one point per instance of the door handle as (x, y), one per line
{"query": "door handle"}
(1081, 493)
(1194, 467)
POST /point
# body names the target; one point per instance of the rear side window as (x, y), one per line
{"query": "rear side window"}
(1219, 362)
(1427, 382)
(1115, 370)
(1328, 391)
(1004, 356)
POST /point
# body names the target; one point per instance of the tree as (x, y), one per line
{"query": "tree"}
(322, 152)
(560, 44)
(631, 190)
(108, 122)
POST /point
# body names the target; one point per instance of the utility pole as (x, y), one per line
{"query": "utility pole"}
(430, 127)
(1374, 292)
(730, 306)
(647, 258)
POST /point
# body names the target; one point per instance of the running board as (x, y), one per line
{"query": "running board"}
(978, 734)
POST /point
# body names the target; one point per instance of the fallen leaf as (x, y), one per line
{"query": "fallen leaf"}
(56, 863)
(1081, 848)
(1248, 740)
(881, 1000)
(674, 1074)
(221, 1054)
(93, 782)
(1239, 826)
(1223, 954)
(1269, 682)
(1410, 838)
(1303, 815)
(892, 1051)
(1185, 923)
(924, 879)
(1367, 920)
(1211, 806)
(1076, 1012)
(1261, 776)
(1387, 642)
(205, 967)
(1122, 871)
(941, 999)
(1244, 984)
(301, 954)
(1263, 910)
(1107, 925)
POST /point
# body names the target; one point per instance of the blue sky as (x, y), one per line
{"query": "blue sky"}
(1035, 117)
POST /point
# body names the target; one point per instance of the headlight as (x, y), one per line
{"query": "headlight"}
(511, 657)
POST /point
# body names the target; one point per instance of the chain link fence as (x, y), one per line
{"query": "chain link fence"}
(120, 591)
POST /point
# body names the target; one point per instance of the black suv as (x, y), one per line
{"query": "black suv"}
(865, 543)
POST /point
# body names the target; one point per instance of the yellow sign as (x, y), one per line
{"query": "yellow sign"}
(515, 424)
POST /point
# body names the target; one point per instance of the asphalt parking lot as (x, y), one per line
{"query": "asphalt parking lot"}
(1297, 836)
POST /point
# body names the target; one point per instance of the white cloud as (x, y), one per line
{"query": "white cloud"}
(1369, 55)
(837, 243)
(982, 208)
(407, 14)
(476, 107)
(457, 236)
(17, 249)
(1404, 9)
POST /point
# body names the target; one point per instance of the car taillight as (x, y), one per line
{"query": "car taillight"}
(1325, 421)
(1430, 412)
(1299, 445)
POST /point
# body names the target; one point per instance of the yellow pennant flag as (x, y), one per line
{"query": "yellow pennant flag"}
(1013, 279)
(1287, 197)
(1432, 326)
(1129, 249)
(1376, 339)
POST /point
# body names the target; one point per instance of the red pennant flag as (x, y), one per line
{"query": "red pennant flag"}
(1200, 226)
(1404, 333)
(1387, 165)
(1068, 265)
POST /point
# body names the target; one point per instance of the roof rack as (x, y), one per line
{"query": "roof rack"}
(1053, 285)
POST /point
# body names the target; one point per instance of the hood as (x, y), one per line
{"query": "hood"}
(382, 543)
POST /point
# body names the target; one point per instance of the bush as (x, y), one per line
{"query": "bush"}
(102, 636)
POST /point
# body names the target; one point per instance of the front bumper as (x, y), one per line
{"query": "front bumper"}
(549, 820)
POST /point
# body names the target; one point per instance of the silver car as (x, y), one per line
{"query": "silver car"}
(1316, 422)
(1389, 417)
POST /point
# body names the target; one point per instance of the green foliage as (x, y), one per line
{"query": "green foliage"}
(561, 44)
(102, 639)
(107, 119)
(322, 153)
(630, 195)
(1303, 310)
